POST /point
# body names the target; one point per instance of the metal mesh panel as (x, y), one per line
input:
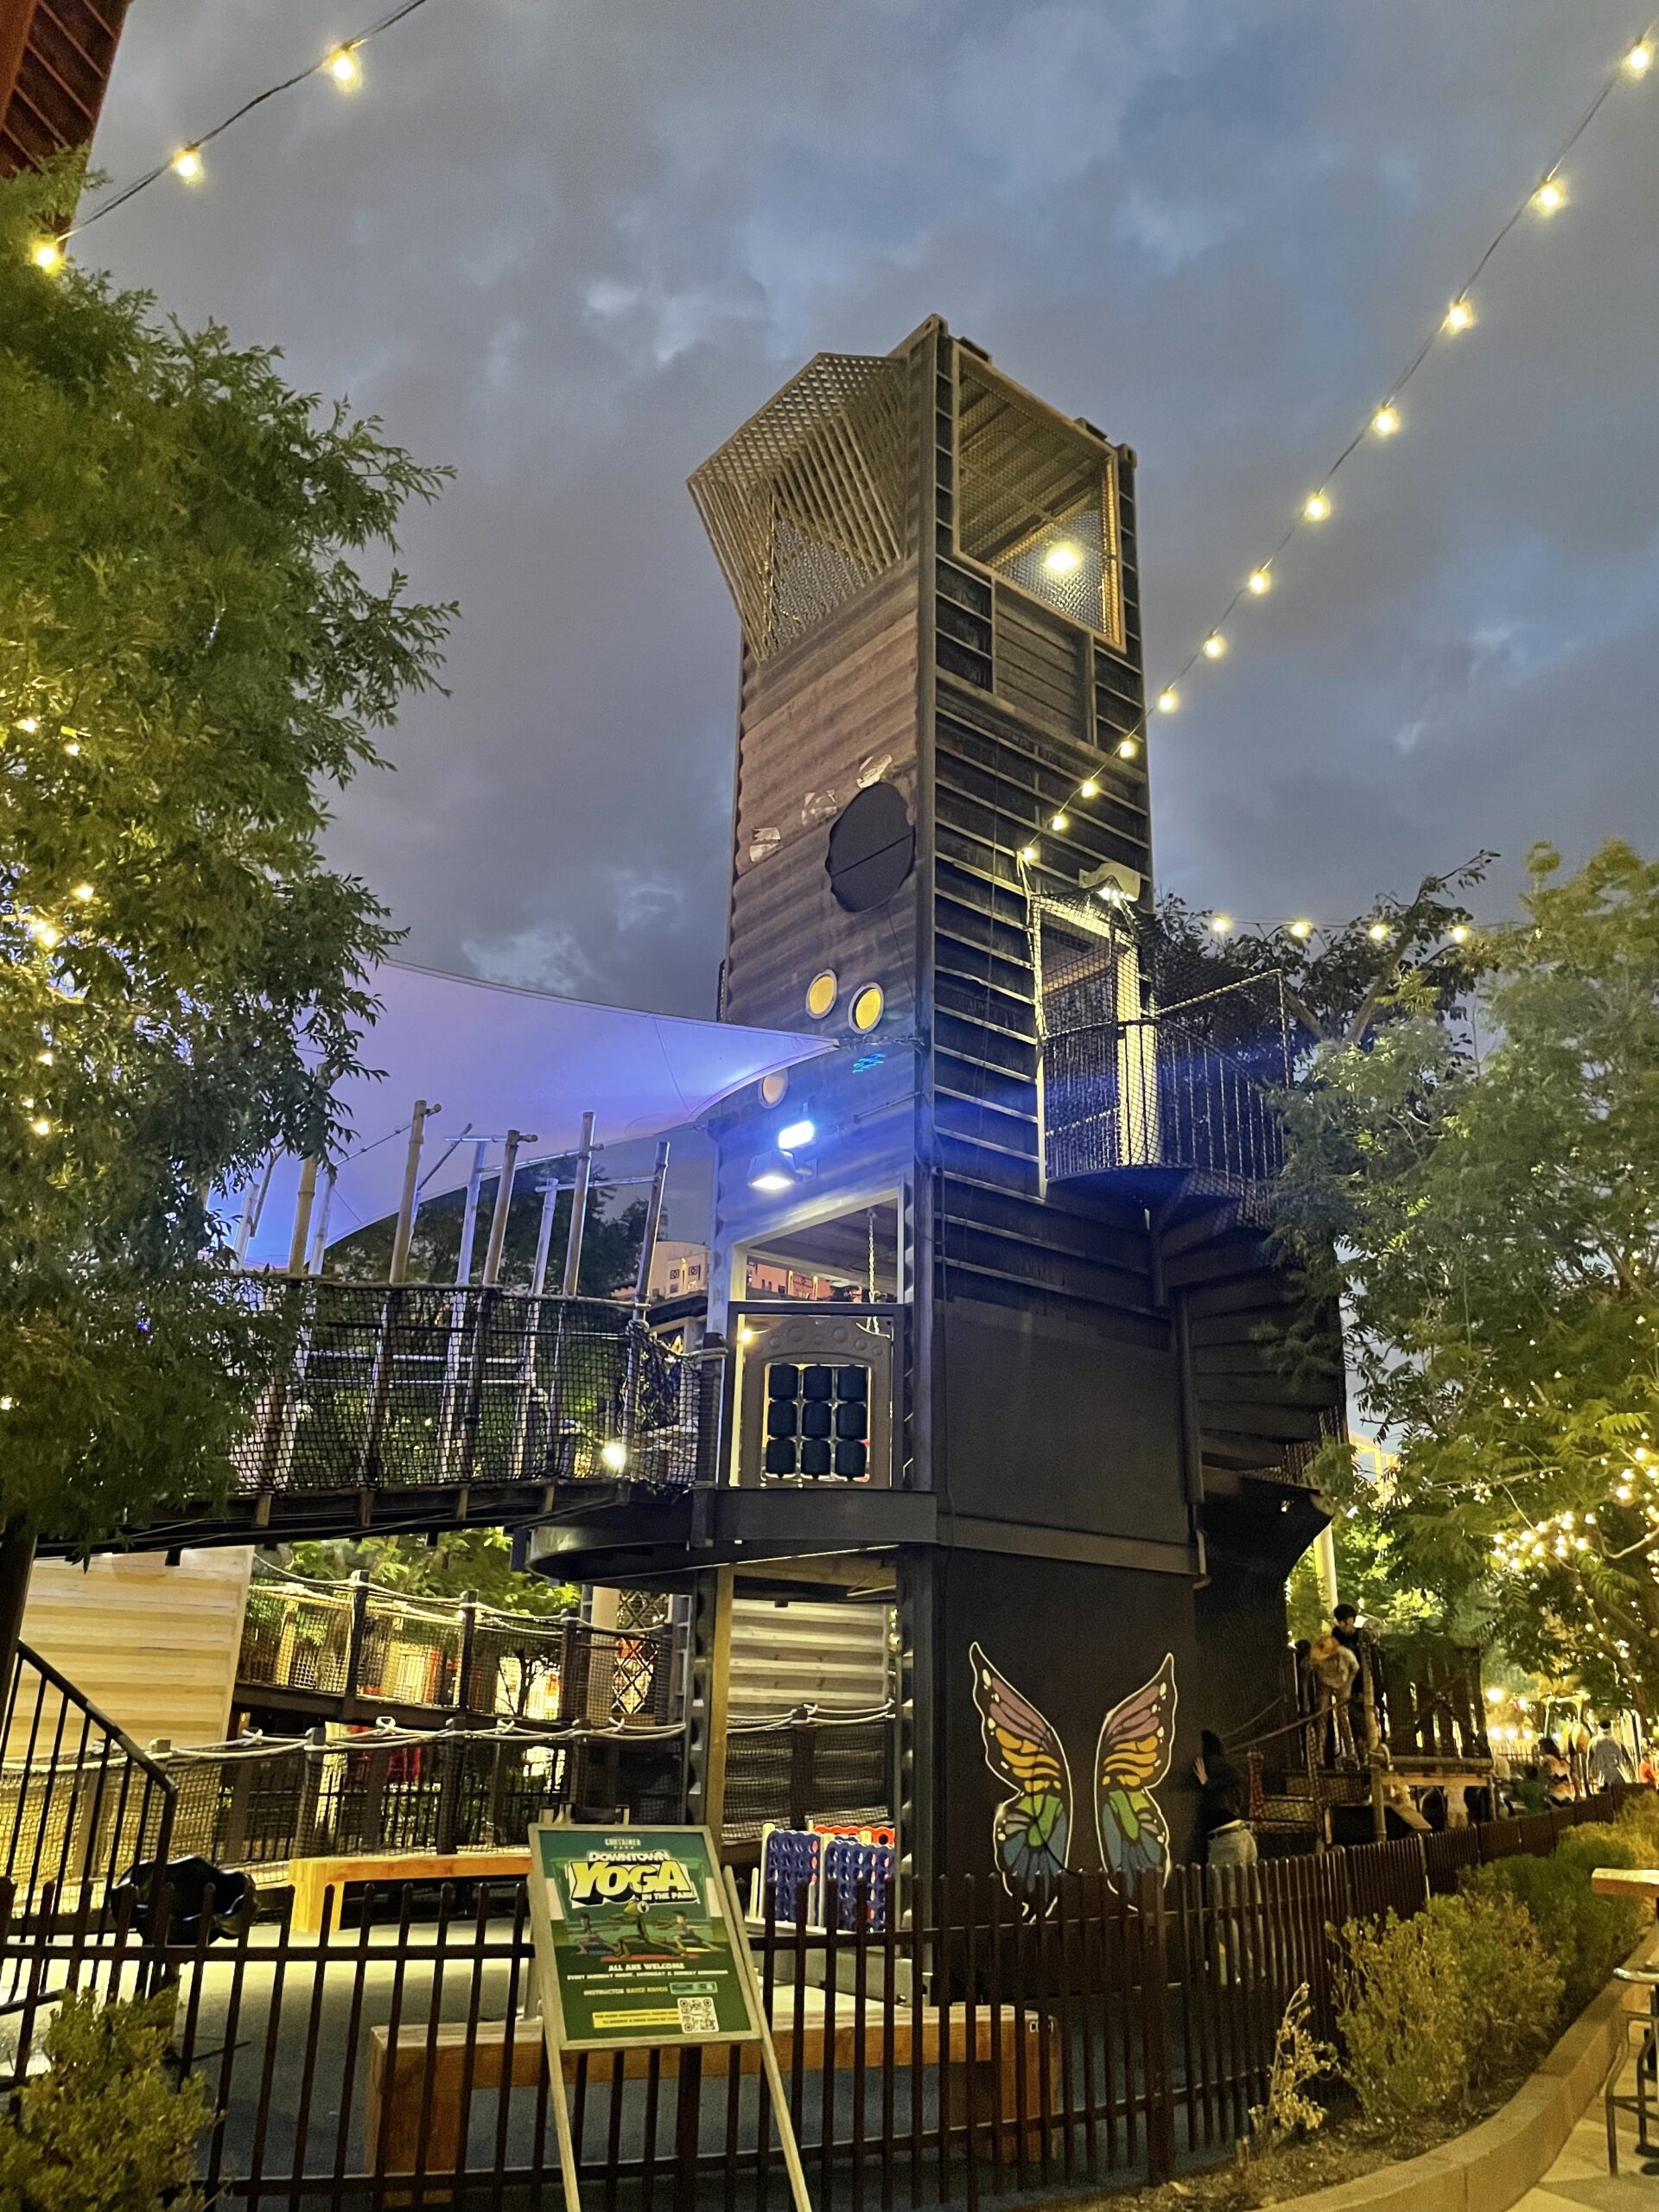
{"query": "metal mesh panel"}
(805, 505)
(1037, 500)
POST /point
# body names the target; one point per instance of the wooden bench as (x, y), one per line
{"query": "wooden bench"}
(398, 2085)
(313, 1879)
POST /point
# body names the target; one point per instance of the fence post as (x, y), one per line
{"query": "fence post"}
(1155, 2011)
(305, 1814)
(357, 1631)
(452, 1749)
(802, 1760)
(469, 1618)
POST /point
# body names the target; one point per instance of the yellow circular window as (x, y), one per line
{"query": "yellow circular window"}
(821, 993)
(868, 1003)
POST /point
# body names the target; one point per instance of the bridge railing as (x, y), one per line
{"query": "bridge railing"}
(415, 1385)
(1155, 1093)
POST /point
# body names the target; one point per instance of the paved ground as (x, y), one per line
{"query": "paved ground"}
(1580, 2181)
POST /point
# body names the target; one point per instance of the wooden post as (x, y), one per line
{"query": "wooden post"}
(355, 1635)
(405, 1229)
(1368, 1707)
(469, 1213)
(467, 1614)
(493, 1249)
(304, 1200)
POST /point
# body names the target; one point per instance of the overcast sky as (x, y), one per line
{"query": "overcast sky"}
(568, 245)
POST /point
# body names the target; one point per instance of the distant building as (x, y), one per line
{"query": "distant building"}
(55, 59)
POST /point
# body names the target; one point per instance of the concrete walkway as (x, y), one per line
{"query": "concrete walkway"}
(1580, 2181)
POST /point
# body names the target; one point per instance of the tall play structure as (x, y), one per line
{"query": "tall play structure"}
(993, 1273)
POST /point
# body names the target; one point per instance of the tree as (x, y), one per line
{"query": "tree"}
(478, 1560)
(1491, 1221)
(201, 623)
(610, 1242)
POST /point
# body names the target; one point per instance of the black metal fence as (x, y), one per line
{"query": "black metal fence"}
(973, 2051)
(1155, 1094)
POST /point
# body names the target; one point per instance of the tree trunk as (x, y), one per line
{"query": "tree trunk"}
(17, 1559)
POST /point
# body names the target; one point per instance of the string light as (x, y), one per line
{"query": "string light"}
(40, 1126)
(1377, 933)
(48, 254)
(340, 64)
(84, 891)
(1060, 822)
(1301, 929)
(1221, 924)
(1546, 197)
(1088, 788)
(1126, 748)
(29, 725)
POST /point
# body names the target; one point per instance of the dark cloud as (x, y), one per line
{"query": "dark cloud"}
(568, 247)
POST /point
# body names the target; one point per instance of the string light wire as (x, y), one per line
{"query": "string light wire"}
(326, 65)
(1383, 420)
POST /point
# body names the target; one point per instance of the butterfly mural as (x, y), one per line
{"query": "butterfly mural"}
(1033, 1826)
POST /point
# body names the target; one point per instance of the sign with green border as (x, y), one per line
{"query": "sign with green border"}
(634, 1940)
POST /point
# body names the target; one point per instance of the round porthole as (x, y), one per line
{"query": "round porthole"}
(821, 993)
(869, 1000)
(872, 848)
(773, 1086)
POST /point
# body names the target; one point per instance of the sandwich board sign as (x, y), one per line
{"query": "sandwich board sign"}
(640, 1942)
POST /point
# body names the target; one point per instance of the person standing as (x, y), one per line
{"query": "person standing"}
(1608, 1761)
(1224, 1806)
(1351, 1632)
(1335, 1671)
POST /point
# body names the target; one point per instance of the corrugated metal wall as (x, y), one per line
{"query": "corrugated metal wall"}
(806, 1653)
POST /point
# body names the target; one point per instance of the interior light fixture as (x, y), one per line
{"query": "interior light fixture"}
(797, 1136)
(1063, 560)
(614, 1455)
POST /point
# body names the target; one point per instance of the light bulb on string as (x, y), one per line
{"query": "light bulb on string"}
(40, 1126)
(1377, 933)
(1459, 933)
(29, 724)
(1029, 854)
(1639, 59)
(1214, 645)
(186, 163)
(1316, 507)
(1126, 748)
(1301, 929)
(1550, 197)
(345, 68)
(46, 254)
(1386, 420)
(1458, 317)
(1221, 924)
(1169, 699)
(1258, 583)
(84, 892)
(1059, 821)
(1088, 788)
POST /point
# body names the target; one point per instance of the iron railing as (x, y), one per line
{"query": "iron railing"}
(1155, 1094)
(974, 2050)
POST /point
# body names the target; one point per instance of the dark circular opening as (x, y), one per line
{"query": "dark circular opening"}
(872, 848)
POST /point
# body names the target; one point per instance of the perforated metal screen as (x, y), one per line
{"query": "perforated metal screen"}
(1037, 500)
(805, 505)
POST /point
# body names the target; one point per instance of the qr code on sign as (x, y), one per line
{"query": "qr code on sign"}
(699, 2016)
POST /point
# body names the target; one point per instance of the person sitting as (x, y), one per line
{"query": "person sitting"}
(1398, 1803)
(1558, 1776)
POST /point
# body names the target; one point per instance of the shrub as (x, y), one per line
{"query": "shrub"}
(1638, 1824)
(1586, 1935)
(104, 2129)
(1401, 2019)
(1511, 1985)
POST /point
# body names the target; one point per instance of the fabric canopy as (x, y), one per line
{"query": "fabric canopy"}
(495, 1057)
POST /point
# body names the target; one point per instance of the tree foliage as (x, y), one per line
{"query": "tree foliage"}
(1490, 1217)
(478, 1560)
(201, 627)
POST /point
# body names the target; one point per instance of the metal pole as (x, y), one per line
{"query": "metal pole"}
(579, 1206)
(653, 1221)
(249, 1224)
(509, 1146)
(405, 1228)
(303, 1202)
(469, 1212)
(551, 1191)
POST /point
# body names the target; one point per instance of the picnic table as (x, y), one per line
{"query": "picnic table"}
(313, 1879)
(1641, 1883)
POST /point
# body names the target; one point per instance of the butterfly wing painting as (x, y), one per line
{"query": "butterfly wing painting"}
(1136, 1739)
(1033, 1824)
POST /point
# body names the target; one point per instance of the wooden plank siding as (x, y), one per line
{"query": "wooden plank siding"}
(55, 59)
